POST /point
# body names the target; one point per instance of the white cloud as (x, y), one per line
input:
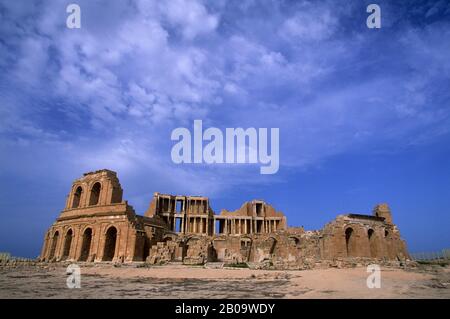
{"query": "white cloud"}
(131, 74)
(310, 23)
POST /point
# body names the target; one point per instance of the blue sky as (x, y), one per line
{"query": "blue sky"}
(364, 114)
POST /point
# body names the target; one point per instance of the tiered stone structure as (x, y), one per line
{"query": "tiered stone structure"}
(98, 225)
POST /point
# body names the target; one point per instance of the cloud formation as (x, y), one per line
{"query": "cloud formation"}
(109, 94)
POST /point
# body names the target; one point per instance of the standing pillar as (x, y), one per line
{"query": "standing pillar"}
(182, 225)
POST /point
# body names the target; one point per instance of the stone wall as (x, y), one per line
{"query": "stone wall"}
(97, 225)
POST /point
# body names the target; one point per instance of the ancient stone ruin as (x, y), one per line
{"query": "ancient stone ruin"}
(98, 225)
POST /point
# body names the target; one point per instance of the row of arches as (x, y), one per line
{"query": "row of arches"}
(109, 247)
(94, 196)
(351, 242)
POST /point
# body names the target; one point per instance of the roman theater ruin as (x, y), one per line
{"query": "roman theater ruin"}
(97, 225)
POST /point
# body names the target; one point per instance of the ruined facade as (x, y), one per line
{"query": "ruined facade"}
(98, 225)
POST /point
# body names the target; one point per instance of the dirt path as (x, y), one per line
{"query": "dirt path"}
(177, 281)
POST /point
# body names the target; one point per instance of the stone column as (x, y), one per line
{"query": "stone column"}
(188, 224)
(182, 225)
(201, 225)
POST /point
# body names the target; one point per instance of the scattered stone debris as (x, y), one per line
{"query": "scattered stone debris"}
(8, 261)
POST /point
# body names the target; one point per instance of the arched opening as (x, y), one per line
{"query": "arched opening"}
(272, 248)
(294, 242)
(349, 241)
(54, 244)
(110, 244)
(386, 233)
(270, 245)
(86, 244)
(188, 248)
(67, 244)
(77, 197)
(95, 194)
(372, 243)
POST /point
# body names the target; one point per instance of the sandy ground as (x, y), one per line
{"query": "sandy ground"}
(178, 281)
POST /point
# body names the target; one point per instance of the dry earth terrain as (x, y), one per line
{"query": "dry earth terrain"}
(178, 281)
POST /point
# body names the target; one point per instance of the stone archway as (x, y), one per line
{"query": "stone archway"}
(270, 245)
(109, 250)
(188, 246)
(77, 197)
(273, 245)
(350, 242)
(373, 243)
(54, 245)
(95, 194)
(294, 241)
(86, 244)
(67, 244)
